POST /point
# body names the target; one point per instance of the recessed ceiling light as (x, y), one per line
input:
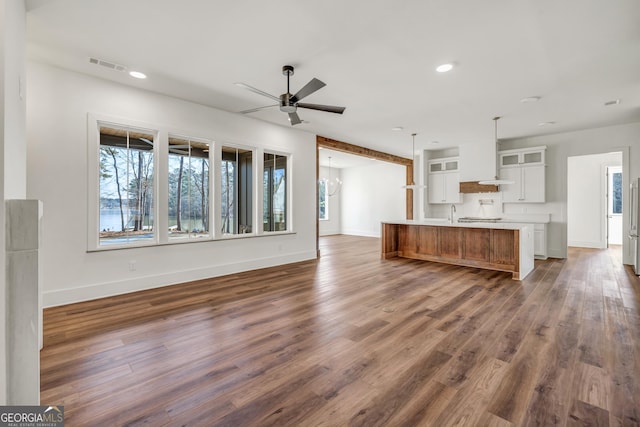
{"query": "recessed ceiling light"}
(397, 128)
(444, 68)
(530, 99)
(137, 74)
(613, 102)
(546, 123)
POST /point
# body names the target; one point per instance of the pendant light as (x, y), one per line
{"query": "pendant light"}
(413, 185)
(496, 180)
(336, 185)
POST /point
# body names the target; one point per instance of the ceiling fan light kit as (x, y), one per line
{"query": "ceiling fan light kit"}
(289, 103)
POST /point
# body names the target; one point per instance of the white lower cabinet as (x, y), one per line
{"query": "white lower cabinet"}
(540, 241)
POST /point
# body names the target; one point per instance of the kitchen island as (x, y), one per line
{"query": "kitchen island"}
(493, 246)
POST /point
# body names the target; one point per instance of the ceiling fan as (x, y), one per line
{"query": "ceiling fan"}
(290, 103)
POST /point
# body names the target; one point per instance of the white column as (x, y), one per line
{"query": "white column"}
(24, 301)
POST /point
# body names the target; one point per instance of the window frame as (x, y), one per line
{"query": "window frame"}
(256, 175)
(93, 181)
(614, 170)
(287, 191)
(210, 182)
(160, 190)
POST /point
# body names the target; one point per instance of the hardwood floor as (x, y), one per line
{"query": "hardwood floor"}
(351, 339)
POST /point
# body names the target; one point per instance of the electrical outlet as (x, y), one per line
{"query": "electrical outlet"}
(132, 266)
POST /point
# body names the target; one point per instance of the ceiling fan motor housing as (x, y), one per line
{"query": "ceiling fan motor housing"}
(285, 103)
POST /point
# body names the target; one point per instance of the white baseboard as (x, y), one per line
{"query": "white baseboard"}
(107, 289)
(364, 233)
(586, 244)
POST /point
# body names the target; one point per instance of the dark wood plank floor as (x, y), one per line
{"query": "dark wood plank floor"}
(354, 340)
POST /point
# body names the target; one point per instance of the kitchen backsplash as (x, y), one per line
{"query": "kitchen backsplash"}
(489, 205)
(483, 205)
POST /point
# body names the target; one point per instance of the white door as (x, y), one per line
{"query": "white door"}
(614, 205)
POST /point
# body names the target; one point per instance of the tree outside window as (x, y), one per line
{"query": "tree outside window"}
(123, 165)
(274, 192)
(236, 174)
(188, 175)
(323, 200)
(126, 186)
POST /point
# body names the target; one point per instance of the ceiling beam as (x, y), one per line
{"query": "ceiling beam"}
(345, 147)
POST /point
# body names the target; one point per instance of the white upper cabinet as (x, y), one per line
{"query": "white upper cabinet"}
(444, 165)
(526, 168)
(524, 157)
(443, 181)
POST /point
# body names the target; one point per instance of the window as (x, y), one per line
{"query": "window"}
(323, 200)
(126, 186)
(615, 191)
(236, 174)
(148, 187)
(274, 192)
(188, 197)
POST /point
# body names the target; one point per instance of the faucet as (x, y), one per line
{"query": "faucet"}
(452, 211)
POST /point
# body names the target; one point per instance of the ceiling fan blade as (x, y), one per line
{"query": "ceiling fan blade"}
(294, 119)
(327, 108)
(182, 152)
(252, 110)
(258, 91)
(308, 89)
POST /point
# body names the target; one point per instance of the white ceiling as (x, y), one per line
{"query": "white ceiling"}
(377, 58)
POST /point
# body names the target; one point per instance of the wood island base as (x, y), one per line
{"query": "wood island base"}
(499, 249)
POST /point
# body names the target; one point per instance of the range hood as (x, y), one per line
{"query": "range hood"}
(496, 179)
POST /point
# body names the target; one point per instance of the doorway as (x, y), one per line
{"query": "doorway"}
(588, 200)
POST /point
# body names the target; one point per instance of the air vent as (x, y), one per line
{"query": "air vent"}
(107, 64)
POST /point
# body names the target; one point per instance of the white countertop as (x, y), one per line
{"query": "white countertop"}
(445, 223)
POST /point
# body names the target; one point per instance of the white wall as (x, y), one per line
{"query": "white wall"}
(560, 147)
(15, 148)
(333, 225)
(586, 199)
(58, 104)
(371, 194)
(12, 143)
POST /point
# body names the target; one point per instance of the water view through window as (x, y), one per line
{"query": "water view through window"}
(126, 186)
